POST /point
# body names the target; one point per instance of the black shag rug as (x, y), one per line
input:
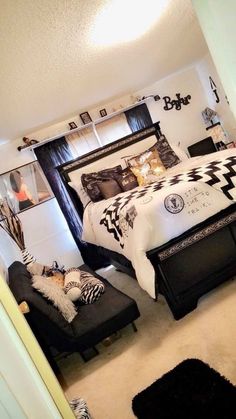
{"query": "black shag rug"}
(192, 390)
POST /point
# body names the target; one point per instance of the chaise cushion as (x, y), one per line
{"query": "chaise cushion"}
(113, 311)
(94, 322)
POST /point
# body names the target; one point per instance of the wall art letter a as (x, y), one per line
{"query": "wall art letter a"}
(214, 89)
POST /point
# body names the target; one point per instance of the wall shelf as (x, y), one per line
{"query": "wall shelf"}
(89, 125)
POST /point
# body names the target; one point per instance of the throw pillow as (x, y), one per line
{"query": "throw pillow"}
(82, 194)
(72, 284)
(147, 166)
(109, 188)
(56, 295)
(166, 153)
(127, 180)
(180, 153)
(90, 181)
(91, 288)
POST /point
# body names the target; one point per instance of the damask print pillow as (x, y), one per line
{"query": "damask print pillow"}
(90, 181)
(168, 157)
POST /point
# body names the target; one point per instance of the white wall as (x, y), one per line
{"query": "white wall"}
(185, 125)
(217, 20)
(47, 237)
(46, 232)
(206, 68)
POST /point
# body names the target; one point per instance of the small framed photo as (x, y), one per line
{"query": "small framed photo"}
(103, 112)
(230, 145)
(72, 125)
(86, 118)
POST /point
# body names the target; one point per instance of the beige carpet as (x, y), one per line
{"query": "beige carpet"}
(109, 381)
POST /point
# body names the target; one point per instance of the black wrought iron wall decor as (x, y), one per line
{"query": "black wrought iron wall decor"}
(155, 97)
(176, 103)
(27, 143)
(214, 89)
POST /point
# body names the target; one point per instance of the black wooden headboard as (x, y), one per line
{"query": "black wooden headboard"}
(98, 153)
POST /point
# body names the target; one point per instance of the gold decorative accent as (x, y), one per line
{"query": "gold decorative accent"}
(24, 308)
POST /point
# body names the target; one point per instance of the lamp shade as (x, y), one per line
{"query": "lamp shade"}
(208, 114)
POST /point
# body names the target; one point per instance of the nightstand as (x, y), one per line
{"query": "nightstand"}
(205, 146)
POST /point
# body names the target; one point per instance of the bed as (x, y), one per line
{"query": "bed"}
(176, 234)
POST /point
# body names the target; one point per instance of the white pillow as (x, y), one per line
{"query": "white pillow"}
(179, 152)
(82, 194)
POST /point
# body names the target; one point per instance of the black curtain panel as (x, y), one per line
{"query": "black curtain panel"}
(138, 117)
(51, 155)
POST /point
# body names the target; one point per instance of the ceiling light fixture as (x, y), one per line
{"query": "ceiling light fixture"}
(122, 21)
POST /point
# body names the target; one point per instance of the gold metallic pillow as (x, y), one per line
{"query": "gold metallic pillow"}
(147, 166)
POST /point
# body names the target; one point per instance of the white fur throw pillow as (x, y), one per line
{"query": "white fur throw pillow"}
(56, 295)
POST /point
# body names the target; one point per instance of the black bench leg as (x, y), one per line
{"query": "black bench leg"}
(134, 327)
(89, 354)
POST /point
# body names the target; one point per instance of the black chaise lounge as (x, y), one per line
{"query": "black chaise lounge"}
(93, 323)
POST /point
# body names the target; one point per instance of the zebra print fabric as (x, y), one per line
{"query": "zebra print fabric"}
(91, 288)
(80, 408)
(27, 257)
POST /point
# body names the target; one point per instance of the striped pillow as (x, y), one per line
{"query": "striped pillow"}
(80, 408)
(91, 288)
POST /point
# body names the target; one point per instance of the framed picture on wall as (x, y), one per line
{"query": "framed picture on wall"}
(25, 187)
(72, 125)
(86, 118)
(103, 112)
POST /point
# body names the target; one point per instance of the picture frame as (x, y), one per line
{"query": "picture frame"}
(103, 112)
(25, 187)
(230, 145)
(72, 125)
(85, 117)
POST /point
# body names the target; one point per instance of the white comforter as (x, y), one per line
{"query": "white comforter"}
(157, 217)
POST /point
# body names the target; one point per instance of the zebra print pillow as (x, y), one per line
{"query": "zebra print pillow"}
(91, 288)
(80, 408)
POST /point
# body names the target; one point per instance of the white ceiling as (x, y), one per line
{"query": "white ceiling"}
(53, 62)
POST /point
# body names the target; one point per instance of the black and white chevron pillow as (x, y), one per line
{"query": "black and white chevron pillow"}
(91, 288)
